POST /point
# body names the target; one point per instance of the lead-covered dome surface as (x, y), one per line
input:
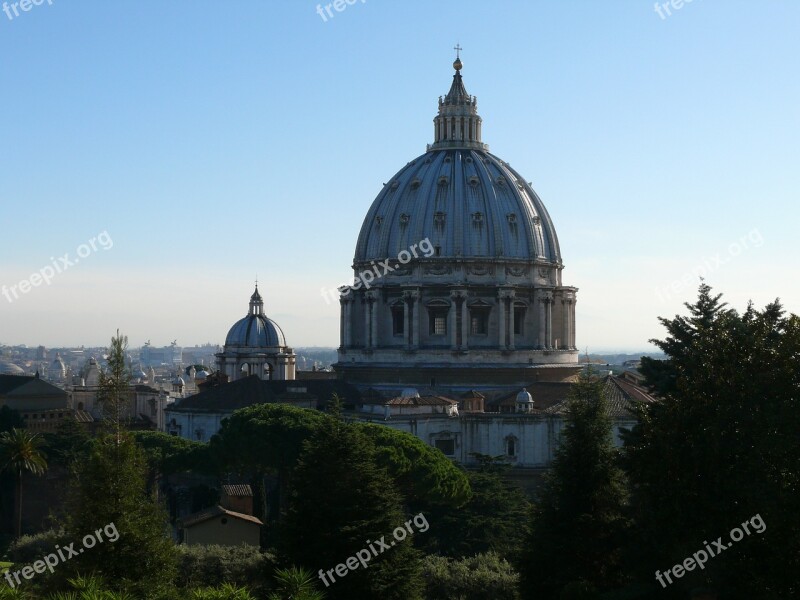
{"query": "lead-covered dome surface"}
(255, 330)
(468, 202)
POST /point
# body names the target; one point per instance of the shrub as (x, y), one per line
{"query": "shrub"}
(212, 566)
(480, 577)
(28, 548)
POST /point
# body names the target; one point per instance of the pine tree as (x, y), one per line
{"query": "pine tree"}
(341, 502)
(720, 448)
(114, 386)
(111, 495)
(578, 525)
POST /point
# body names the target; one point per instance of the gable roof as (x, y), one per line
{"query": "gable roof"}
(27, 385)
(213, 513)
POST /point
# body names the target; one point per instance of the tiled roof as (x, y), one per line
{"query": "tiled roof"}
(422, 401)
(621, 395)
(238, 490)
(253, 390)
(213, 513)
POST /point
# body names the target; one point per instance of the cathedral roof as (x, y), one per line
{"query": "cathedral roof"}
(468, 202)
(255, 330)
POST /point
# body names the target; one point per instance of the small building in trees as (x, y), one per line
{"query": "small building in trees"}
(229, 523)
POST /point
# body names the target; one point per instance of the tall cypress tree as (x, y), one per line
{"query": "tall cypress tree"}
(342, 502)
(111, 490)
(577, 530)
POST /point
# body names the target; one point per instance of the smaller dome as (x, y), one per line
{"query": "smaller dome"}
(255, 330)
(202, 374)
(9, 368)
(178, 381)
(524, 397)
(409, 393)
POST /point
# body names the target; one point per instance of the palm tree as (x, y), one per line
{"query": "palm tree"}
(20, 452)
(297, 584)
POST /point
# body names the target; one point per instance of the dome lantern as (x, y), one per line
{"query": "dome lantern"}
(458, 124)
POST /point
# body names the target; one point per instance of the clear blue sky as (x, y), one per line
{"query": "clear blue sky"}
(216, 141)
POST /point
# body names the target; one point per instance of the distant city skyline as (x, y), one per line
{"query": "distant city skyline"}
(157, 162)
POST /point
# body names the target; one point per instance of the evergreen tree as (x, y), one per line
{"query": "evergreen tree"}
(578, 524)
(341, 502)
(69, 445)
(114, 386)
(111, 496)
(720, 448)
(489, 522)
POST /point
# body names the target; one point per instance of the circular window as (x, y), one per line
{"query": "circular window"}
(224, 520)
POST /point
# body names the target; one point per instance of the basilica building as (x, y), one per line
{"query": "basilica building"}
(485, 308)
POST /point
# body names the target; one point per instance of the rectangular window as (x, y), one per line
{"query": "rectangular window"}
(448, 447)
(398, 321)
(438, 322)
(439, 325)
(519, 321)
(479, 322)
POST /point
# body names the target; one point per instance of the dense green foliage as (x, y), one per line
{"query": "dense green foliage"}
(211, 566)
(69, 444)
(168, 454)
(480, 577)
(422, 473)
(578, 525)
(489, 522)
(720, 448)
(341, 500)
(111, 489)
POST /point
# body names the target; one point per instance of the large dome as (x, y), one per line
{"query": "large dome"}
(255, 330)
(457, 273)
(467, 202)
